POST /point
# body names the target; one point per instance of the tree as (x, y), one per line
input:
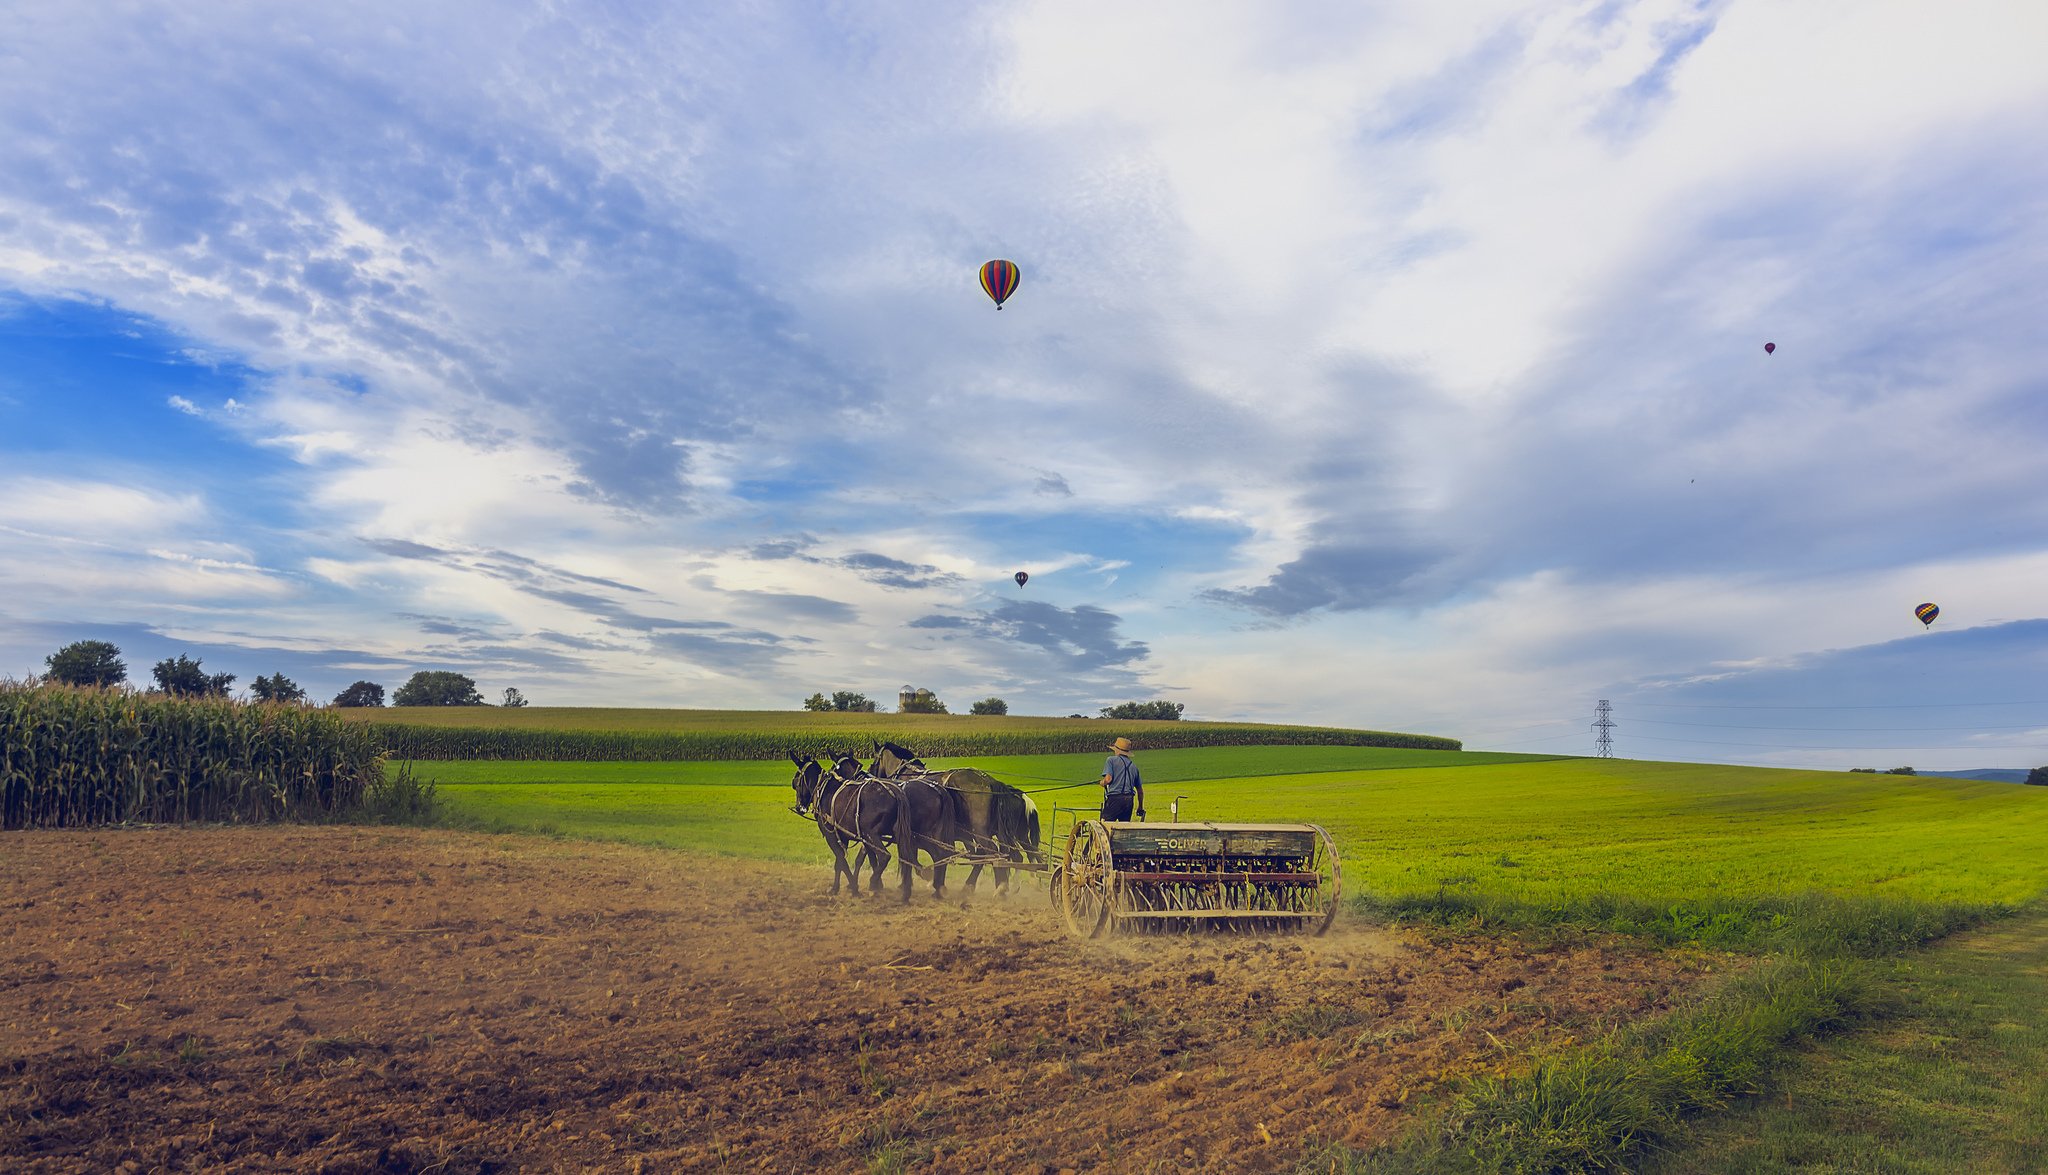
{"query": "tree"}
(922, 701)
(843, 700)
(2038, 777)
(184, 678)
(1901, 771)
(277, 689)
(514, 699)
(437, 687)
(87, 663)
(362, 693)
(1145, 711)
(989, 706)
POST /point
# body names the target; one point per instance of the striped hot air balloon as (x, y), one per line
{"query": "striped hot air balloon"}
(999, 280)
(1927, 613)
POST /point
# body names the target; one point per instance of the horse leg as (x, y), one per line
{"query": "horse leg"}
(860, 861)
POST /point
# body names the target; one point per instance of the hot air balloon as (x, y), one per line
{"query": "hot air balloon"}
(1927, 613)
(999, 280)
(1770, 347)
(1021, 577)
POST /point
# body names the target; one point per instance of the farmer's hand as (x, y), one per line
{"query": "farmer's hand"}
(1141, 813)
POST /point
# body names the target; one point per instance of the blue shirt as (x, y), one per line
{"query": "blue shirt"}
(1123, 776)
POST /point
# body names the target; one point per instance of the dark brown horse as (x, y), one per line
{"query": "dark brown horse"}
(992, 817)
(869, 812)
(929, 822)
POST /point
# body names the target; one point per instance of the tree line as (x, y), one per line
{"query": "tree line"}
(98, 664)
(924, 701)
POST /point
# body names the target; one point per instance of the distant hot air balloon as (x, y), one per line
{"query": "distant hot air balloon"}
(1770, 347)
(1021, 577)
(1927, 613)
(999, 280)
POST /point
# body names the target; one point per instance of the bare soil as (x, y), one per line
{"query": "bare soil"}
(369, 1000)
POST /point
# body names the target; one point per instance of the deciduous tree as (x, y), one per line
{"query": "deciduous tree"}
(183, 677)
(438, 687)
(276, 689)
(87, 663)
(362, 693)
(922, 701)
(513, 698)
(989, 706)
(1145, 711)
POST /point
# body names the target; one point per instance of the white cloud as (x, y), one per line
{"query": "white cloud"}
(1425, 291)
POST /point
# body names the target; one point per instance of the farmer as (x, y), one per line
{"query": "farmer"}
(1122, 788)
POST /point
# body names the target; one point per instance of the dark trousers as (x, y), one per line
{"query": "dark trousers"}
(1117, 807)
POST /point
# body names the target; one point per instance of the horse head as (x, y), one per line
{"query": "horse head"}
(807, 782)
(894, 759)
(845, 765)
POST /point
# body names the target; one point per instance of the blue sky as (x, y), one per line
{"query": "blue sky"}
(1396, 365)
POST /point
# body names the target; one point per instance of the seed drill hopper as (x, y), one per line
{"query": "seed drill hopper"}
(1125, 877)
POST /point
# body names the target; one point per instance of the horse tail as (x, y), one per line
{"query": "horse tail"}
(906, 838)
(1031, 829)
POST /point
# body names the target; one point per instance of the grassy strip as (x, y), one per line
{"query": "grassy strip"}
(400, 797)
(1813, 922)
(1611, 1105)
(1957, 1082)
(1603, 1108)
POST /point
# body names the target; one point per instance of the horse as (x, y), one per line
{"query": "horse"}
(849, 811)
(929, 819)
(991, 814)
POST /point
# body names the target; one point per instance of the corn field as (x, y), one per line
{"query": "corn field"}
(419, 741)
(72, 757)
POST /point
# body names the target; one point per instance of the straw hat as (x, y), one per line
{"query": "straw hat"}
(1121, 746)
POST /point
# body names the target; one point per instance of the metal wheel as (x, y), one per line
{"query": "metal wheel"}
(1088, 885)
(1332, 885)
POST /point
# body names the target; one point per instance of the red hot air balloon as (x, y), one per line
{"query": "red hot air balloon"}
(999, 280)
(1770, 347)
(1021, 577)
(1927, 613)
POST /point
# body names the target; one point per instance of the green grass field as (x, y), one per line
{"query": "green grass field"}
(1407, 822)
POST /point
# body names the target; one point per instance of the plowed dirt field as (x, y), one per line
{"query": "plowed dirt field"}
(365, 1000)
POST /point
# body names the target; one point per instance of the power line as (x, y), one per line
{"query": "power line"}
(1841, 729)
(1665, 738)
(1917, 706)
(1548, 739)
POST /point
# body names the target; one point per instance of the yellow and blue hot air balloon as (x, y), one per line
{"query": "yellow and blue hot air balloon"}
(1927, 613)
(999, 280)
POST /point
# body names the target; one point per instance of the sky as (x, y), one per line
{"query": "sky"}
(1393, 365)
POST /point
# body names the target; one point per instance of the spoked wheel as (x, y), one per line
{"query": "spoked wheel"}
(1331, 887)
(1087, 880)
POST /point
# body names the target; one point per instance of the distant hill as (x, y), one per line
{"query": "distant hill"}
(1994, 774)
